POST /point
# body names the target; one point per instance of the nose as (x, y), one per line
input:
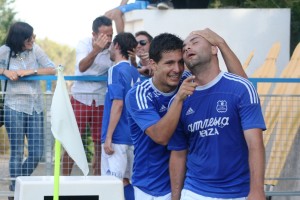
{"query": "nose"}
(178, 66)
(186, 48)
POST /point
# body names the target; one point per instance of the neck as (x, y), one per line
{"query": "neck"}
(206, 73)
(120, 58)
(162, 87)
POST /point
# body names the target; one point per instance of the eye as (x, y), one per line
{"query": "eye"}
(170, 62)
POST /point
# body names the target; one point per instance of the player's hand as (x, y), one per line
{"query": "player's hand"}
(187, 88)
(108, 147)
(210, 36)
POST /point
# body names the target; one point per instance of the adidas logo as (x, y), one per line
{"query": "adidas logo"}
(162, 108)
(189, 111)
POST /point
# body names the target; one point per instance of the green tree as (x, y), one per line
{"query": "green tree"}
(60, 54)
(7, 17)
(294, 5)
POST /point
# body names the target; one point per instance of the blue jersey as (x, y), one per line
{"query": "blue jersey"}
(121, 77)
(211, 128)
(146, 105)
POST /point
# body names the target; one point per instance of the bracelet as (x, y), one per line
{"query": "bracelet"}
(3, 71)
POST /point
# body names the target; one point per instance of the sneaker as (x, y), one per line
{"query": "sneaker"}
(163, 5)
(152, 6)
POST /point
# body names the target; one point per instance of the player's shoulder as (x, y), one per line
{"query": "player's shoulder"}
(238, 80)
(242, 86)
(142, 87)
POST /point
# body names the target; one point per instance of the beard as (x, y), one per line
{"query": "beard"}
(191, 64)
(197, 64)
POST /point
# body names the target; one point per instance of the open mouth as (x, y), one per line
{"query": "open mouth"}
(189, 55)
(174, 77)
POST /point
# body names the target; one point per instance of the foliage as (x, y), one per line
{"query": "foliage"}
(294, 5)
(7, 16)
(88, 145)
(59, 54)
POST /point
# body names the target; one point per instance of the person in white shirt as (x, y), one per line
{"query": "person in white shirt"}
(92, 58)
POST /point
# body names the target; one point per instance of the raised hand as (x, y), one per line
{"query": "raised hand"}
(187, 88)
(100, 42)
(210, 36)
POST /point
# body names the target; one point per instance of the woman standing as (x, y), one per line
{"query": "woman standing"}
(23, 108)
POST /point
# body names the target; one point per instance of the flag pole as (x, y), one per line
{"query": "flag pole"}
(64, 127)
(56, 170)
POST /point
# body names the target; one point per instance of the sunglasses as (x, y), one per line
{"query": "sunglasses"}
(31, 38)
(142, 42)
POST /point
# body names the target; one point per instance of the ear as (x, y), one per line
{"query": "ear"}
(116, 46)
(214, 50)
(94, 34)
(153, 65)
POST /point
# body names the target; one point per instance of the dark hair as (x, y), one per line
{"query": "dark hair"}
(145, 33)
(126, 41)
(101, 21)
(17, 34)
(164, 42)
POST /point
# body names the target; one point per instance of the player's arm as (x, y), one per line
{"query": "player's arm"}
(162, 131)
(177, 172)
(256, 149)
(232, 62)
(115, 114)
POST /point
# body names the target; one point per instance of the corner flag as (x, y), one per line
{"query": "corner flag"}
(63, 124)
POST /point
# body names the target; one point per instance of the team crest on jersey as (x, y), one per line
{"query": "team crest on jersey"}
(221, 106)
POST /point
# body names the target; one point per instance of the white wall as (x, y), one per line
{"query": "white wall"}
(244, 30)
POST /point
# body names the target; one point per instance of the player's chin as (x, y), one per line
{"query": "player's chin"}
(173, 81)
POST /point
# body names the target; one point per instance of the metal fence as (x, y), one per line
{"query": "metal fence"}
(282, 141)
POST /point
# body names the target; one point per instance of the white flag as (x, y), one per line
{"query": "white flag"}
(63, 124)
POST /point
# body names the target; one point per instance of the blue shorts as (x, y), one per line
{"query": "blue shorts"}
(137, 5)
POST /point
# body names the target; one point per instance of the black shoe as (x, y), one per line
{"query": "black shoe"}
(11, 198)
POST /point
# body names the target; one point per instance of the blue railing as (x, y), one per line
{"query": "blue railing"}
(255, 81)
(50, 78)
